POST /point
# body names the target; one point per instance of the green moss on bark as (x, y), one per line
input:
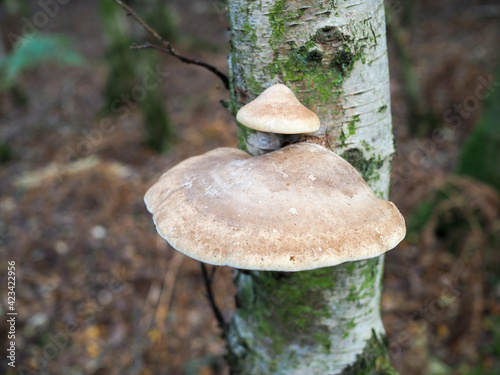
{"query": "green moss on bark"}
(279, 311)
(243, 134)
(367, 167)
(277, 22)
(351, 126)
(250, 31)
(286, 300)
(374, 360)
(279, 298)
(306, 64)
(351, 130)
(382, 109)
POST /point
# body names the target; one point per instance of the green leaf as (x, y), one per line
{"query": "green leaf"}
(33, 50)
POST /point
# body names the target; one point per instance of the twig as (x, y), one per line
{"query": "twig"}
(158, 295)
(212, 273)
(208, 286)
(167, 289)
(168, 49)
(186, 60)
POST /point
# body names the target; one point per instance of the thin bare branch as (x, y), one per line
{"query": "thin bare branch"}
(210, 296)
(167, 47)
(186, 60)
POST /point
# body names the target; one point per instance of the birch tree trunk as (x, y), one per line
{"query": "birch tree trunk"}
(333, 55)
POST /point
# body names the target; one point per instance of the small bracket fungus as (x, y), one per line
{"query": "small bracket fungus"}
(277, 110)
(298, 208)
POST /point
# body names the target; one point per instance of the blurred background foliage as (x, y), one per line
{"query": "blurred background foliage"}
(480, 157)
(77, 153)
(33, 50)
(127, 66)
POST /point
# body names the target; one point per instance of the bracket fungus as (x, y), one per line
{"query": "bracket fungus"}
(298, 208)
(278, 118)
(277, 110)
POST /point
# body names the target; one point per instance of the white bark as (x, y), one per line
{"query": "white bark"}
(303, 44)
(326, 343)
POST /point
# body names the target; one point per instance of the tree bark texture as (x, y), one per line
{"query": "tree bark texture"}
(333, 55)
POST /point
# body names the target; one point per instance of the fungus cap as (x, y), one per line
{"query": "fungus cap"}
(277, 110)
(297, 208)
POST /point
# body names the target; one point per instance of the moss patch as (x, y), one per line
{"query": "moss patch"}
(348, 327)
(342, 138)
(250, 31)
(283, 309)
(322, 77)
(304, 64)
(352, 125)
(382, 109)
(343, 61)
(283, 304)
(278, 297)
(243, 134)
(366, 145)
(370, 275)
(368, 168)
(254, 87)
(373, 361)
(277, 22)
(351, 130)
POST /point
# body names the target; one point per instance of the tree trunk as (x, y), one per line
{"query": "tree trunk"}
(333, 55)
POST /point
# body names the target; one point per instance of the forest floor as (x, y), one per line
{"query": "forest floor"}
(89, 264)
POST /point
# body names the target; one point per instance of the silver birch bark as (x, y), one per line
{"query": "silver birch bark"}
(333, 55)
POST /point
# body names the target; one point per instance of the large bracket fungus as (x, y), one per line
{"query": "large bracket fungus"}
(298, 208)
